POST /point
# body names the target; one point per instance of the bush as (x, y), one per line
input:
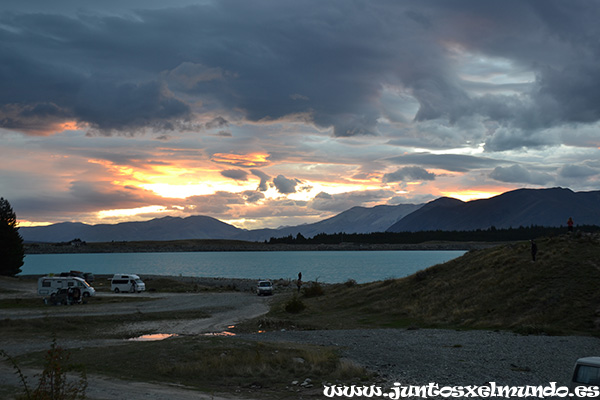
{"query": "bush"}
(314, 290)
(350, 283)
(294, 305)
(53, 383)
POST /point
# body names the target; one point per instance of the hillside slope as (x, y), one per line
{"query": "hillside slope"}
(521, 207)
(166, 228)
(354, 220)
(498, 288)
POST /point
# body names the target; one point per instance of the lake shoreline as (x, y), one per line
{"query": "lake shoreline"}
(236, 246)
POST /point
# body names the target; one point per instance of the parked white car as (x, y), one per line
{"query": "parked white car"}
(127, 283)
(264, 287)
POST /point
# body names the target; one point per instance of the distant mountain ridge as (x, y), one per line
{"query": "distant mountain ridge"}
(354, 220)
(166, 228)
(521, 207)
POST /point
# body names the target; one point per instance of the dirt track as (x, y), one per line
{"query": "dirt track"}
(408, 356)
(225, 309)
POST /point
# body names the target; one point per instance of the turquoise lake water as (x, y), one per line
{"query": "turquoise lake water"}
(326, 266)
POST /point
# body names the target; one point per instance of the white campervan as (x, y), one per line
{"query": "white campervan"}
(50, 285)
(586, 377)
(127, 283)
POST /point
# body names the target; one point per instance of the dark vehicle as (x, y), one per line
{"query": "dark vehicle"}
(72, 273)
(89, 277)
(65, 297)
(86, 276)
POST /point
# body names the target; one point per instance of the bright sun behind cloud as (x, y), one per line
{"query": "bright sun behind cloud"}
(130, 211)
(468, 195)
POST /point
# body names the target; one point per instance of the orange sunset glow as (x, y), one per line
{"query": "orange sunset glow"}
(367, 164)
(337, 110)
(468, 195)
(242, 160)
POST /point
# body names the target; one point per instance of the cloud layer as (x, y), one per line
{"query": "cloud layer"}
(250, 109)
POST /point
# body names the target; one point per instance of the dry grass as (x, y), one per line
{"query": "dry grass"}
(38, 302)
(218, 364)
(497, 288)
(163, 285)
(159, 284)
(89, 327)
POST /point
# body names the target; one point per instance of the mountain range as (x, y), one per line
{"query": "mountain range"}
(522, 207)
(354, 220)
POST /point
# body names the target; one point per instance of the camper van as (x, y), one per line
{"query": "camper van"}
(50, 285)
(127, 283)
(586, 377)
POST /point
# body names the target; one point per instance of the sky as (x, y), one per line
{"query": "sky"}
(271, 113)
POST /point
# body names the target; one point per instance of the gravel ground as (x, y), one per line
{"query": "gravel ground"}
(450, 357)
(421, 356)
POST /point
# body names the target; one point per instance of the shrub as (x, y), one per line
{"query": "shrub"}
(314, 290)
(53, 383)
(350, 283)
(294, 305)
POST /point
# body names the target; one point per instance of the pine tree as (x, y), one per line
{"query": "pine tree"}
(12, 252)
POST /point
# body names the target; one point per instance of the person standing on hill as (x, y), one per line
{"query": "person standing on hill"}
(533, 250)
(570, 224)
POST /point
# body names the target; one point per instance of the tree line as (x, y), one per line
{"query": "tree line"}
(491, 234)
(12, 252)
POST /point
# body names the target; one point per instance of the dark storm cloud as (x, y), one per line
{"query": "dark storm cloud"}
(344, 201)
(83, 197)
(130, 106)
(236, 174)
(263, 186)
(519, 174)
(328, 61)
(578, 171)
(251, 196)
(217, 204)
(409, 173)
(508, 139)
(285, 185)
(218, 122)
(449, 162)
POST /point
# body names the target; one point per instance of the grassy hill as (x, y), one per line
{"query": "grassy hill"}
(497, 288)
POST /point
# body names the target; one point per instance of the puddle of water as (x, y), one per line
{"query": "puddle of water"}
(153, 337)
(224, 333)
